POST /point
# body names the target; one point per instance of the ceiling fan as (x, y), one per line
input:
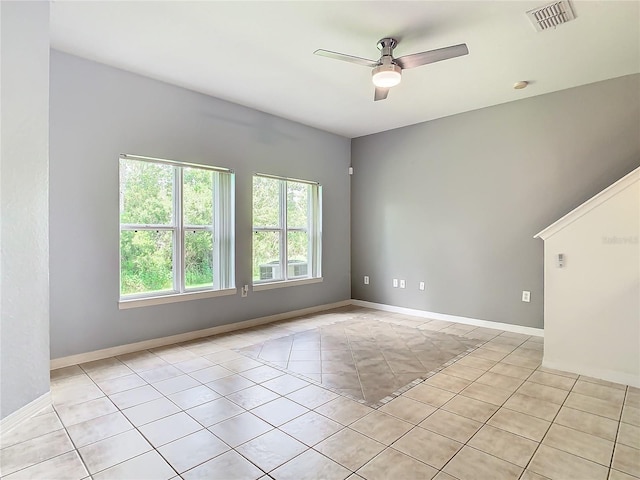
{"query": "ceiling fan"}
(387, 72)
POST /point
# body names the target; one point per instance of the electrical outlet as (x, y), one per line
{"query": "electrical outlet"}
(366, 279)
(245, 291)
(526, 296)
(421, 286)
(402, 284)
(395, 283)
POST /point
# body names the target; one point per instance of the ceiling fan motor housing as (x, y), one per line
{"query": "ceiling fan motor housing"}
(386, 45)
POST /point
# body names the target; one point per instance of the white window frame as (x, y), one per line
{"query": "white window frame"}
(222, 227)
(313, 229)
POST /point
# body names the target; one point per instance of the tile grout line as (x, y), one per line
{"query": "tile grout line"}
(82, 459)
(574, 454)
(301, 376)
(135, 427)
(411, 429)
(355, 364)
(548, 428)
(502, 406)
(551, 422)
(184, 411)
(418, 426)
(76, 449)
(285, 433)
(55, 456)
(615, 441)
(489, 418)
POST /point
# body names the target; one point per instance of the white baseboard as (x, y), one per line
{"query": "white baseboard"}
(185, 337)
(602, 374)
(29, 410)
(538, 332)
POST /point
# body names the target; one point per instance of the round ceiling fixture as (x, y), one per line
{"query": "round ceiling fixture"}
(520, 85)
(386, 76)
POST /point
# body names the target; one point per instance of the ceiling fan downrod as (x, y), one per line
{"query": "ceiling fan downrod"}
(386, 46)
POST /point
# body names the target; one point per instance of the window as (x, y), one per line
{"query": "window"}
(287, 229)
(176, 228)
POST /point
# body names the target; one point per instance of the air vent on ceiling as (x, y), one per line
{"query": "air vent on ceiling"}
(550, 16)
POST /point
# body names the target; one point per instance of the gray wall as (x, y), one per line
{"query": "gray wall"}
(98, 112)
(24, 231)
(455, 202)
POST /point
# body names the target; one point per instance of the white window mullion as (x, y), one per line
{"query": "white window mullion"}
(224, 245)
(266, 229)
(133, 226)
(315, 230)
(215, 229)
(229, 245)
(311, 233)
(198, 228)
(178, 258)
(284, 254)
(218, 235)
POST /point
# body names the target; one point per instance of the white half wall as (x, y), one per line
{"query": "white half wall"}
(592, 303)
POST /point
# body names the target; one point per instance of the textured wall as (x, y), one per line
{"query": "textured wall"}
(455, 202)
(98, 112)
(24, 203)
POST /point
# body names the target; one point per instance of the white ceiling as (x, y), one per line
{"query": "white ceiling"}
(260, 54)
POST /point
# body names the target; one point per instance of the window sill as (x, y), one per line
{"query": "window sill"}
(173, 298)
(257, 287)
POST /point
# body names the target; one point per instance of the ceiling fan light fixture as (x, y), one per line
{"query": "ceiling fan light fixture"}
(386, 76)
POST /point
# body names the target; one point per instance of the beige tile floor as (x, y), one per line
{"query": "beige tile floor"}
(361, 359)
(202, 410)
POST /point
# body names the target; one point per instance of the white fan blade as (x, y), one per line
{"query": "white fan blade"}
(381, 93)
(432, 56)
(347, 58)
